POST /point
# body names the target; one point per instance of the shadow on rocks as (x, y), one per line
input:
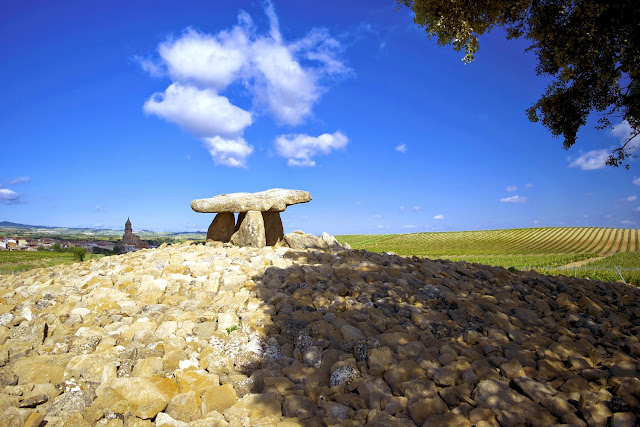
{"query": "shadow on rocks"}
(363, 338)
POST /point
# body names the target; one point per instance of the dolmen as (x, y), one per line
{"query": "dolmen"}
(259, 223)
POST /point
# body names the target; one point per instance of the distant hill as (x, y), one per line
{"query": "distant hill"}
(16, 225)
(25, 230)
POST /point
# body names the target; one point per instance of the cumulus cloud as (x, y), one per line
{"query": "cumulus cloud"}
(596, 159)
(199, 111)
(206, 60)
(300, 148)
(630, 199)
(20, 180)
(511, 188)
(286, 89)
(514, 199)
(283, 79)
(228, 152)
(402, 148)
(622, 130)
(438, 217)
(591, 160)
(9, 197)
(636, 181)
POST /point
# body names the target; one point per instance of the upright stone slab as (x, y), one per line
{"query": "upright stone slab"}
(273, 229)
(222, 227)
(251, 231)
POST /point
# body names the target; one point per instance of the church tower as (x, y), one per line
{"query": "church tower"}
(130, 240)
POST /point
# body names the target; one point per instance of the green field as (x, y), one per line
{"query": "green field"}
(16, 261)
(578, 251)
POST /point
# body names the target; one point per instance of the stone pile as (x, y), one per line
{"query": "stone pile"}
(215, 335)
(259, 223)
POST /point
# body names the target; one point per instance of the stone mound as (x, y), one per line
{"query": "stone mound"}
(216, 335)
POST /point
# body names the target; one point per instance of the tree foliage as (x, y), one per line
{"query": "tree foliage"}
(591, 48)
(79, 253)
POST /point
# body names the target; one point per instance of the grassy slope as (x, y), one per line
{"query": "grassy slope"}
(15, 261)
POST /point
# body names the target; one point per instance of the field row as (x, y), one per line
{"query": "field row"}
(590, 241)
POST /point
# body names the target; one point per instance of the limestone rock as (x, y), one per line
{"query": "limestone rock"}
(184, 407)
(274, 200)
(143, 391)
(251, 231)
(222, 227)
(218, 398)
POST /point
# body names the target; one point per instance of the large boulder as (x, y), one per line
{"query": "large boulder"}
(274, 200)
(222, 227)
(301, 240)
(251, 231)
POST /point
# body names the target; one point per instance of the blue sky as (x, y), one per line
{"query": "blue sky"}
(133, 109)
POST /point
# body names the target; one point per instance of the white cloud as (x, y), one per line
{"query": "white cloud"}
(9, 197)
(514, 199)
(626, 222)
(285, 87)
(511, 188)
(417, 208)
(20, 180)
(636, 181)
(199, 111)
(206, 60)
(622, 130)
(630, 199)
(402, 148)
(438, 217)
(637, 209)
(401, 208)
(409, 226)
(529, 185)
(378, 216)
(591, 160)
(283, 78)
(228, 152)
(299, 148)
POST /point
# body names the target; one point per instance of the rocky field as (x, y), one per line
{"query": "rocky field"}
(208, 335)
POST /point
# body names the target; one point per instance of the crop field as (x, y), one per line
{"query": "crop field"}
(15, 261)
(580, 251)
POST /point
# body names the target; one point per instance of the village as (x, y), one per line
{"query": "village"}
(129, 243)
